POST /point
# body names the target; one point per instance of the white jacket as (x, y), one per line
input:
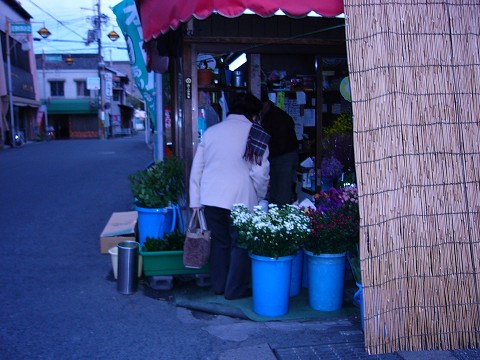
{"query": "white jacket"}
(220, 176)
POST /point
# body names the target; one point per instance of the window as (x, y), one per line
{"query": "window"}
(117, 96)
(82, 88)
(56, 88)
(18, 57)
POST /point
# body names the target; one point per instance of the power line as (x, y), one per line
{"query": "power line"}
(60, 22)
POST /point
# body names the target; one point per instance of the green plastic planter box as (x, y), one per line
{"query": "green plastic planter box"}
(167, 263)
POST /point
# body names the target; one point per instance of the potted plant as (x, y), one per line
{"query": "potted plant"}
(165, 256)
(272, 238)
(335, 229)
(156, 190)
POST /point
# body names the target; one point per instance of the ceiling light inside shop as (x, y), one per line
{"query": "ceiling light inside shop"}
(239, 61)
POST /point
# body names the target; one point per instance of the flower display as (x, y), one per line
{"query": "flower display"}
(338, 140)
(331, 168)
(335, 221)
(275, 233)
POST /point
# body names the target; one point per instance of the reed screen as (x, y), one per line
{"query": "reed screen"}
(415, 81)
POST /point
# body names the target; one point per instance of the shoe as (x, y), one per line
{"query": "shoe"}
(219, 292)
(246, 294)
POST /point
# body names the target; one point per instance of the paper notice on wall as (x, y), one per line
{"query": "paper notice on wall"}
(299, 130)
(301, 98)
(309, 117)
(293, 109)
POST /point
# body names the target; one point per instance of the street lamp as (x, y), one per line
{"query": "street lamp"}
(69, 60)
(44, 33)
(112, 35)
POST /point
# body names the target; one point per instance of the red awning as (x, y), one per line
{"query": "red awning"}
(159, 16)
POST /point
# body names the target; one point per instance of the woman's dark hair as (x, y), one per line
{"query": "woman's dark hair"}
(245, 104)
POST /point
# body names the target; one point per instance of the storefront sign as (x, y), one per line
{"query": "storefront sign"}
(129, 22)
(93, 83)
(53, 58)
(108, 85)
(20, 28)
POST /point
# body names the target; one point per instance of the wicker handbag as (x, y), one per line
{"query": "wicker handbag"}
(196, 250)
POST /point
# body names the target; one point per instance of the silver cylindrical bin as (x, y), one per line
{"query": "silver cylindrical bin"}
(238, 78)
(127, 277)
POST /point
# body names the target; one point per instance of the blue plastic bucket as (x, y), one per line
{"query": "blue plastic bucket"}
(358, 299)
(296, 277)
(326, 277)
(305, 271)
(154, 222)
(271, 285)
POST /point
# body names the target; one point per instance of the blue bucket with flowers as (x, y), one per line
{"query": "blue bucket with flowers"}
(272, 238)
(335, 226)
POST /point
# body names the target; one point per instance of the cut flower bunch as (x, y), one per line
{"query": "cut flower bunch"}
(276, 233)
(335, 221)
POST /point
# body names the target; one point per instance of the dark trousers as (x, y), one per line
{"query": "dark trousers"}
(283, 170)
(230, 270)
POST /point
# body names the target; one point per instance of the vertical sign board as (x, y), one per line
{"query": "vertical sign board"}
(108, 85)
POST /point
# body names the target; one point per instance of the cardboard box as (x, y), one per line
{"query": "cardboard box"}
(122, 226)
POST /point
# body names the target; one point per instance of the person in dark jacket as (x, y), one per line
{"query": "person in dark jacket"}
(283, 156)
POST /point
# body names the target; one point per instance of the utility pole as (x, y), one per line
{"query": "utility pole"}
(45, 90)
(101, 122)
(10, 88)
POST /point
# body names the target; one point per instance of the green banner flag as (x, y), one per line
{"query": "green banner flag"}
(129, 22)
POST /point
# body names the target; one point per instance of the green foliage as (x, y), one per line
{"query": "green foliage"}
(343, 124)
(276, 233)
(160, 184)
(171, 242)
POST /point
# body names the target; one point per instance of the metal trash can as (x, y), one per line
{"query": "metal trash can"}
(127, 278)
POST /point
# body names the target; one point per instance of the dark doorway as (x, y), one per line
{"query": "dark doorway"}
(60, 122)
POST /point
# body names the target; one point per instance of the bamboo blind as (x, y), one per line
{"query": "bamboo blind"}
(415, 79)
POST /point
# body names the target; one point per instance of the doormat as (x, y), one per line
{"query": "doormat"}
(204, 299)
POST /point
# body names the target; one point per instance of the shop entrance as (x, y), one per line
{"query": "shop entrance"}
(61, 124)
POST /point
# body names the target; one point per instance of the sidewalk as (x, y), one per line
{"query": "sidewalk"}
(324, 337)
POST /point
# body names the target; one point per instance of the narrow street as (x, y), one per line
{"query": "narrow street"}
(58, 296)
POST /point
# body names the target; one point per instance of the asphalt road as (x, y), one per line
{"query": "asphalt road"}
(58, 297)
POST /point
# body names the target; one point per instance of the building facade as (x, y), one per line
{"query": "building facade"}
(75, 108)
(18, 110)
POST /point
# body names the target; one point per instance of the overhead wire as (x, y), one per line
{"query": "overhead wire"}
(59, 21)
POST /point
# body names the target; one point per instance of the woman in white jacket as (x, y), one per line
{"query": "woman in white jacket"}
(230, 167)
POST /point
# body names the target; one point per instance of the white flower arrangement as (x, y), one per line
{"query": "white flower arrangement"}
(275, 233)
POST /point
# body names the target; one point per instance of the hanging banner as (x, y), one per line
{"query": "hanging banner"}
(129, 22)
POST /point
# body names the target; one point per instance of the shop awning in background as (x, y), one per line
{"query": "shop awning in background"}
(159, 16)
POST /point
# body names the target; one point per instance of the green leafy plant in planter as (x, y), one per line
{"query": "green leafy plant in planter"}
(159, 185)
(165, 256)
(171, 242)
(156, 191)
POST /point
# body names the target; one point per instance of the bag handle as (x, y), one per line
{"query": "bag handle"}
(198, 217)
(180, 220)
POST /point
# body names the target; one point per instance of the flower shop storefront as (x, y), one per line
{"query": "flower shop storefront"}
(415, 133)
